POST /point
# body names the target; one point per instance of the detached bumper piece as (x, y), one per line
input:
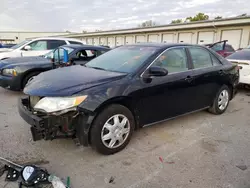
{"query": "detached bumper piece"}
(44, 126)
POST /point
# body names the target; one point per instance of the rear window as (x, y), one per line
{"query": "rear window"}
(74, 42)
(229, 48)
(240, 55)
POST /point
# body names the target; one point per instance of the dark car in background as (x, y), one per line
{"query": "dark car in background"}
(16, 72)
(222, 48)
(103, 102)
(6, 45)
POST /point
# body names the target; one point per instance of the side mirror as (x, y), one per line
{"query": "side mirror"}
(33, 176)
(27, 47)
(65, 56)
(157, 71)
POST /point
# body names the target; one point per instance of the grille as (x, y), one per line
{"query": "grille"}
(34, 100)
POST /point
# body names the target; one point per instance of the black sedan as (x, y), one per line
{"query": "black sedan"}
(103, 102)
(16, 72)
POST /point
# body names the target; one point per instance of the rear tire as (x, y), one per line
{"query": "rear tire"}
(112, 129)
(28, 77)
(221, 101)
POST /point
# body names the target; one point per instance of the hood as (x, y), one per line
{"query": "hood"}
(5, 50)
(19, 60)
(23, 61)
(69, 80)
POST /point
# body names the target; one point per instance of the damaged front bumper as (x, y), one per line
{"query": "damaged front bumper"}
(74, 125)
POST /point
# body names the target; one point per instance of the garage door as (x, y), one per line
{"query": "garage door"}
(96, 41)
(129, 40)
(90, 41)
(111, 42)
(84, 40)
(140, 38)
(185, 38)
(168, 38)
(153, 38)
(103, 41)
(119, 41)
(233, 37)
(206, 37)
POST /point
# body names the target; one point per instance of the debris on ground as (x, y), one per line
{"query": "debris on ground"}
(172, 162)
(112, 180)
(160, 158)
(30, 174)
(242, 167)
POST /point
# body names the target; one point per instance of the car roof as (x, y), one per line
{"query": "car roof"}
(56, 38)
(76, 46)
(163, 45)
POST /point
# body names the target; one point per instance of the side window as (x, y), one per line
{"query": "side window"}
(52, 44)
(58, 54)
(174, 60)
(39, 45)
(88, 54)
(200, 57)
(215, 60)
(217, 47)
(74, 42)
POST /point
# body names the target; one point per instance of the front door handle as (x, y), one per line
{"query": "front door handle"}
(221, 72)
(189, 78)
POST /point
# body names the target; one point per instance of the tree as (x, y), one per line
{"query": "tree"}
(198, 17)
(242, 15)
(218, 17)
(148, 23)
(177, 21)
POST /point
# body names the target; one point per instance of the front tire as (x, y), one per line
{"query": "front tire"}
(221, 101)
(112, 129)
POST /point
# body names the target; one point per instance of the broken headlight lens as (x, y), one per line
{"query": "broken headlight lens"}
(55, 104)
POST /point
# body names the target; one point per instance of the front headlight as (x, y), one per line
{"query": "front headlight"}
(9, 72)
(55, 104)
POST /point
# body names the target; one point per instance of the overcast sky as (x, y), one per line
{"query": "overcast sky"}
(77, 15)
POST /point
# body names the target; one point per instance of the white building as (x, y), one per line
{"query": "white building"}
(19, 36)
(236, 30)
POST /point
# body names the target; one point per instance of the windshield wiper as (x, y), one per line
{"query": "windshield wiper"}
(98, 68)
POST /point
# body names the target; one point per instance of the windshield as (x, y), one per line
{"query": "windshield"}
(123, 59)
(54, 53)
(20, 44)
(240, 55)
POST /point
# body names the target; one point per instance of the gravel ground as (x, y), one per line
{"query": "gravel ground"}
(197, 150)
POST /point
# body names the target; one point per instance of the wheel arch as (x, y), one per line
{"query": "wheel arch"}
(30, 72)
(120, 100)
(128, 102)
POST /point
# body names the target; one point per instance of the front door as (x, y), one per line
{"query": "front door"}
(168, 96)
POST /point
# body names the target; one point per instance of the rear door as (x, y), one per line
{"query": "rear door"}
(207, 75)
